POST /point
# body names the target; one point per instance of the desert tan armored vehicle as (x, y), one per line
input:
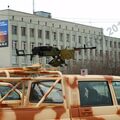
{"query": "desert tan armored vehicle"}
(35, 93)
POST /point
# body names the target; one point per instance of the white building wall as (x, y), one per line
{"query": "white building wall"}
(5, 57)
(90, 36)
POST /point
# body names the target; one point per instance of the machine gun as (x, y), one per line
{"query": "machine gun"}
(59, 56)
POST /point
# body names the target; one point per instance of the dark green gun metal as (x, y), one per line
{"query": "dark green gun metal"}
(59, 56)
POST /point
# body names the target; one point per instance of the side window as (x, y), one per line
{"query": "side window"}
(39, 89)
(93, 93)
(12, 96)
(116, 86)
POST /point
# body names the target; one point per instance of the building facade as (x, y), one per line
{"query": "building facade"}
(24, 31)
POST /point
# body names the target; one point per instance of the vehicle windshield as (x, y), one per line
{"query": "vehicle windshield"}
(38, 89)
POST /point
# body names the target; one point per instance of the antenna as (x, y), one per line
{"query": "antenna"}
(33, 7)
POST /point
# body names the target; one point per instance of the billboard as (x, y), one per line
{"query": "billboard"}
(3, 33)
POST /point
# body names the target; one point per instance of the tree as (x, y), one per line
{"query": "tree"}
(103, 65)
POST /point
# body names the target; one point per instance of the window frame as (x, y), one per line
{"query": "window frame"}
(14, 29)
(118, 102)
(32, 32)
(39, 33)
(60, 82)
(100, 105)
(13, 92)
(47, 34)
(23, 31)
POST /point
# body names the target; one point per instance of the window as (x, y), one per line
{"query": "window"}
(14, 44)
(31, 32)
(101, 53)
(45, 23)
(23, 45)
(30, 20)
(67, 37)
(91, 53)
(53, 25)
(59, 26)
(23, 31)
(32, 44)
(79, 39)
(111, 53)
(116, 86)
(13, 17)
(93, 93)
(5, 89)
(96, 52)
(106, 42)
(14, 30)
(66, 27)
(96, 42)
(47, 34)
(107, 53)
(85, 39)
(119, 55)
(73, 37)
(61, 36)
(110, 43)
(83, 30)
(21, 19)
(38, 89)
(119, 44)
(54, 35)
(101, 43)
(115, 56)
(115, 45)
(39, 33)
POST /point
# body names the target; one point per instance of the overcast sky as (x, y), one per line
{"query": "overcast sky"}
(99, 13)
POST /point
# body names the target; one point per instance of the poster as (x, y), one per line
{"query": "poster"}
(3, 33)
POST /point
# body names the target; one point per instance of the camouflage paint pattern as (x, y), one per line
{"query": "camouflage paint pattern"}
(69, 110)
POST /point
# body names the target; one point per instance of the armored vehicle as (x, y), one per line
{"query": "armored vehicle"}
(36, 93)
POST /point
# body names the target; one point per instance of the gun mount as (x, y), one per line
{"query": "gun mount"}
(59, 56)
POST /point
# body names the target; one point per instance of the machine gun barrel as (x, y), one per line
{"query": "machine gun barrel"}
(77, 49)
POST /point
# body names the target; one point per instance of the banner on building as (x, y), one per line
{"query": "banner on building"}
(3, 33)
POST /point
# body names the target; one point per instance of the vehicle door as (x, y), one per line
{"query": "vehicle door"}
(52, 105)
(96, 100)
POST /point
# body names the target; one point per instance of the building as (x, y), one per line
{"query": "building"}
(25, 31)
